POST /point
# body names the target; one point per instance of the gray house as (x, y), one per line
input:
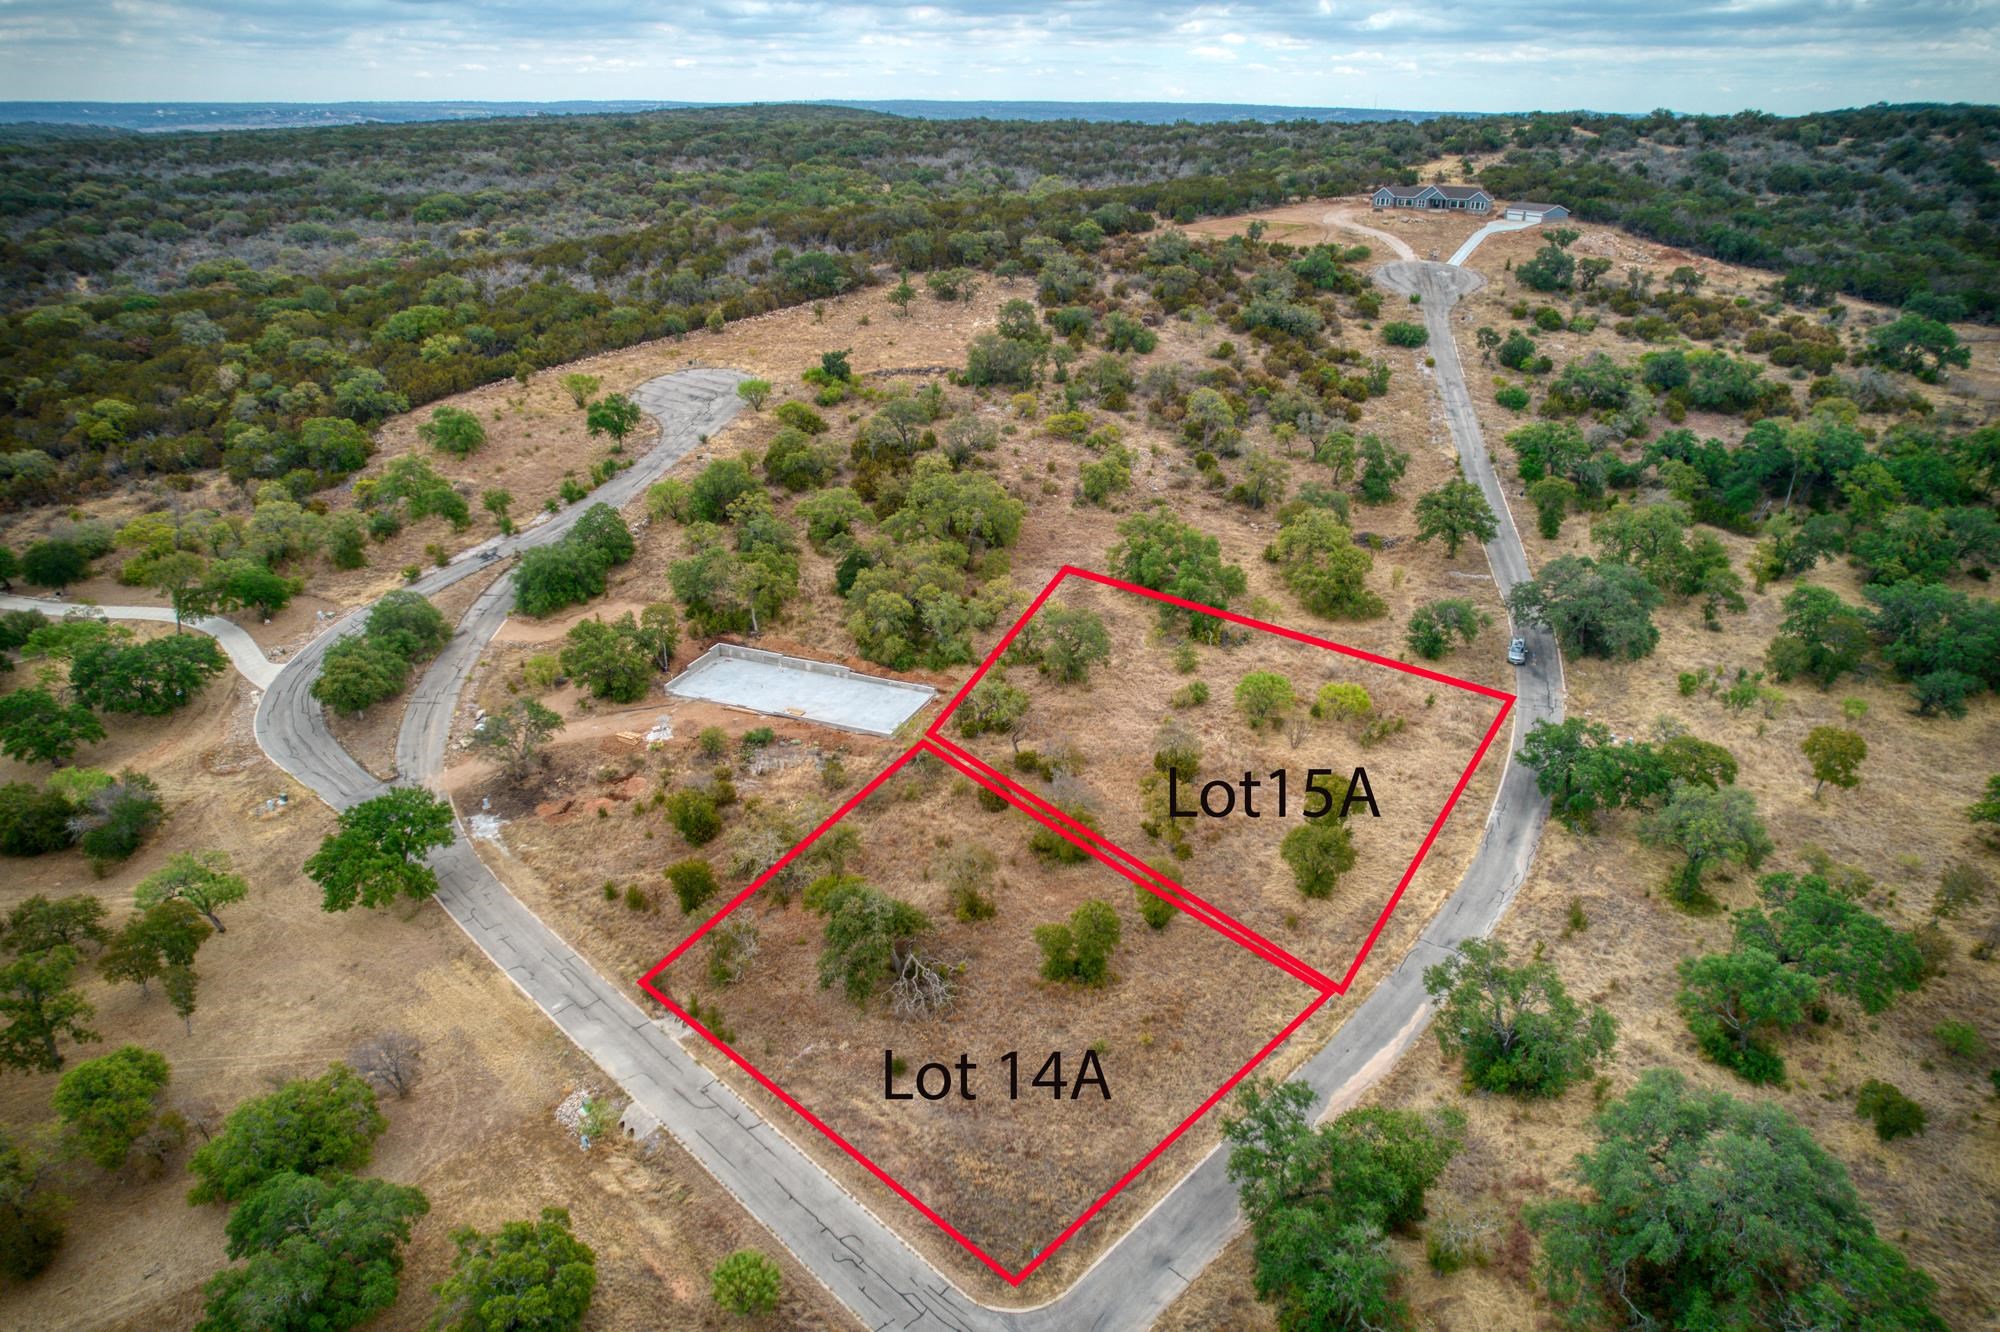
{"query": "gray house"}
(1463, 198)
(1521, 211)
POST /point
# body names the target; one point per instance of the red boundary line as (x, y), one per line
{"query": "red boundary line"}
(1120, 861)
(1172, 888)
(1103, 848)
(1322, 987)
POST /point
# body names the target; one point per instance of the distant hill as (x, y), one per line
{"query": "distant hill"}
(1145, 113)
(164, 117)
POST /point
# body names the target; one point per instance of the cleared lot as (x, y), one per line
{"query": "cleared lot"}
(817, 691)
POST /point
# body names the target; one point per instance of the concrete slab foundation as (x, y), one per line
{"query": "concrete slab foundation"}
(816, 691)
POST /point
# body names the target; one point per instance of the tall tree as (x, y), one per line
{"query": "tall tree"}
(305, 1127)
(1516, 1027)
(324, 1254)
(107, 1102)
(202, 879)
(1734, 1002)
(35, 728)
(1704, 1210)
(1594, 610)
(1836, 754)
(517, 733)
(39, 1001)
(1321, 1200)
(375, 855)
(1454, 511)
(1707, 826)
(528, 1276)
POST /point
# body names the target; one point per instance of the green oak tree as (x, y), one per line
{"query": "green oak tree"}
(107, 1102)
(40, 1005)
(1706, 825)
(202, 879)
(376, 853)
(528, 1276)
(1699, 1209)
(1516, 1027)
(306, 1127)
(324, 1254)
(1453, 512)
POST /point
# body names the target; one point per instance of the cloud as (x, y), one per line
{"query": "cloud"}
(1704, 55)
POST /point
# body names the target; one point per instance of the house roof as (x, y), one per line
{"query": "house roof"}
(1448, 191)
(1531, 207)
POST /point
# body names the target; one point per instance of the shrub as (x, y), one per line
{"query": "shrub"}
(1264, 696)
(1319, 852)
(1405, 335)
(1894, 1114)
(713, 742)
(746, 1282)
(1961, 1040)
(1513, 397)
(968, 873)
(694, 816)
(1052, 847)
(1154, 909)
(1190, 695)
(1342, 700)
(693, 882)
(1079, 950)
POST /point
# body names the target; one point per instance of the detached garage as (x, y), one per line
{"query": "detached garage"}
(1536, 212)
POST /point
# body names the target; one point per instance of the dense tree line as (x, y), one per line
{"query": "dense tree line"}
(247, 313)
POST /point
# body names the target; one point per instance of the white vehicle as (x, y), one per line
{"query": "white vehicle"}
(1517, 651)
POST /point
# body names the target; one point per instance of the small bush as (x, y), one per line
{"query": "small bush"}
(1894, 1114)
(1191, 695)
(746, 1282)
(636, 899)
(1379, 729)
(1055, 849)
(693, 882)
(1513, 397)
(991, 800)
(1185, 660)
(1961, 1040)
(759, 737)
(694, 816)
(713, 742)
(1688, 682)
(1335, 701)
(1079, 950)
(1154, 909)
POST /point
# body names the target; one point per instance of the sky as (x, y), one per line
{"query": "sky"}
(1782, 56)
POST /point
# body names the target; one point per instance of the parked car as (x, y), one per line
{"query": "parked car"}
(1517, 651)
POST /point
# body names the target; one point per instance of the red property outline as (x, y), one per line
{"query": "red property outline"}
(1119, 861)
(1171, 889)
(1322, 988)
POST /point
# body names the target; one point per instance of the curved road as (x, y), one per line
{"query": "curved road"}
(860, 1259)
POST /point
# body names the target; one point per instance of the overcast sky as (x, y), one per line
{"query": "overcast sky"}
(1453, 55)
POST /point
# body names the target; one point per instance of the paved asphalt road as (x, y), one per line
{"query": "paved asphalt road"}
(861, 1260)
(235, 640)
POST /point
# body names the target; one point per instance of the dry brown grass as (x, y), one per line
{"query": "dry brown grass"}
(287, 990)
(1933, 1195)
(1186, 1008)
(1107, 729)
